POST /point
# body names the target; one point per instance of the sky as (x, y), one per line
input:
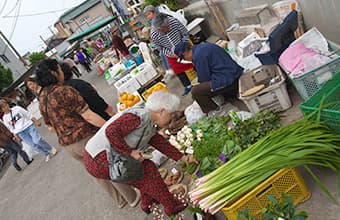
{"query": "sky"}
(25, 37)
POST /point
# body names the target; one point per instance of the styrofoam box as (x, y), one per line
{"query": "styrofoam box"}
(144, 73)
(274, 97)
(127, 84)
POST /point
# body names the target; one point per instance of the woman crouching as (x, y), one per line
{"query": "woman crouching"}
(115, 152)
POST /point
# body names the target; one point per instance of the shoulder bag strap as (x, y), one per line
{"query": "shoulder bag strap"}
(140, 139)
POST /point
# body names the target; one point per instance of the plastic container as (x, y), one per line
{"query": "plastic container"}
(121, 107)
(261, 14)
(191, 74)
(242, 32)
(127, 84)
(309, 83)
(330, 112)
(144, 73)
(284, 181)
(273, 97)
(149, 91)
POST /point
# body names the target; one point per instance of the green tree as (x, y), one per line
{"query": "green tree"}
(6, 77)
(36, 57)
(174, 5)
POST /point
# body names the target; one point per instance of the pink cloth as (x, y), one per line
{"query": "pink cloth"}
(291, 58)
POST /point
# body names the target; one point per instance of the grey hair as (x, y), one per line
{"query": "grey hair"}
(162, 100)
(160, 20)
(149, 8)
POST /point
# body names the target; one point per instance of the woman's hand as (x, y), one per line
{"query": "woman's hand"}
(137, 155)
(189, 159)
(16, 138)
(51, 129)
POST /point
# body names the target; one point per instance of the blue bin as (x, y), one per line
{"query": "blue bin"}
(139, 60)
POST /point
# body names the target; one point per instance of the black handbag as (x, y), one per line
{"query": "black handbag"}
(124, 168)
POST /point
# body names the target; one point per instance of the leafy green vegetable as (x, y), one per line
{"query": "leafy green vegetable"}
(229, 142)
(249, 131)
(212, 125)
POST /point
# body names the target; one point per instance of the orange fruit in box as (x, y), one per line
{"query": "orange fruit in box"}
(129, 104)
(136, 99)
(123, 96)
(130, 97)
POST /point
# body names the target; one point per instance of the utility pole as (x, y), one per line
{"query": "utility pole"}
(49, 27)
(45, 42)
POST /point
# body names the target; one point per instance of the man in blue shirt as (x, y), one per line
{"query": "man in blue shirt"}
(217, 72)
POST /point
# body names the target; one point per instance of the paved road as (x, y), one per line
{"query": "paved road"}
(62, 189)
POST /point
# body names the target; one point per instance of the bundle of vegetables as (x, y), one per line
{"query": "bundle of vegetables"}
(301, 143)
(212, 125)
(249, 131)
(222, 144)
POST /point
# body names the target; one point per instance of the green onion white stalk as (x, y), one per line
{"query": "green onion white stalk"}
(299, 144)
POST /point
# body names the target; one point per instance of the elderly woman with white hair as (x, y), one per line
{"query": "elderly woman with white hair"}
(127, 134)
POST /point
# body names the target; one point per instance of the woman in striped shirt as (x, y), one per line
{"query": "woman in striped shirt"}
(166, 33)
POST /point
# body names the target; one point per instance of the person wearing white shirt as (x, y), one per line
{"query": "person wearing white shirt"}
(22, 124)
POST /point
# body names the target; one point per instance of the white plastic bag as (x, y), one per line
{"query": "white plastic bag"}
(179, 15)
(313, 62)
(193, 113)
(158, 158)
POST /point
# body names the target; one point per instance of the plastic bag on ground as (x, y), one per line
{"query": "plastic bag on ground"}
(193, 112)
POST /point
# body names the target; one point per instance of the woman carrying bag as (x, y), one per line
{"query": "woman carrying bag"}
(115, 152)
(67, 114)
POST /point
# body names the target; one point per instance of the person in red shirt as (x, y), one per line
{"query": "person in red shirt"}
(119, 46)
(128, 133)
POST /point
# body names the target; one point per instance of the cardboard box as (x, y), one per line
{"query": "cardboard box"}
(127, 84)
(144, 73)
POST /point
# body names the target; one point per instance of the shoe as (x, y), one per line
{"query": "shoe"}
(187, 89)
(29, 162)
(17, 167)
(53, 151)
(135, 203)
(47, 158)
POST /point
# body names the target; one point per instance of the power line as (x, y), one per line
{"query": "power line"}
(15, 6)
(14, 24)
(3, 7)
(35, 14)
(15, 20)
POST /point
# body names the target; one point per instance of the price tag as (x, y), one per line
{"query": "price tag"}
(174, 170)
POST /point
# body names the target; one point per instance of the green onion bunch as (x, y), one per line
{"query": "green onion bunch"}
(302, 143)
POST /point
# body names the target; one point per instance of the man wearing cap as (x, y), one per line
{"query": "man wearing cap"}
(166, 33)
(217, 72)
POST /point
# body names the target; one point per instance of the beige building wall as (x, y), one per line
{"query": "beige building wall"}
(322, 14)
(89, 18)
